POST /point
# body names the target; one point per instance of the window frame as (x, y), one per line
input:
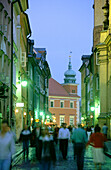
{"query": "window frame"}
(50, 103)
(71, 102)
(71, 117)
(60, 104)
(73, 90)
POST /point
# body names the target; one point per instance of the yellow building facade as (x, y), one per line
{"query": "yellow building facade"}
(104, 57)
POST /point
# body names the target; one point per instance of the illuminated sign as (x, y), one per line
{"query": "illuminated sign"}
(19, 104)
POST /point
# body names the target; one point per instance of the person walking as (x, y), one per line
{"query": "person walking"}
(55, 134)
(14, 137)
(97, 140)
(79, 138)
(88, 131)
(25, 138)
(35, 135)
(47, 154)
(7, 146)
(64, 136)
(105, 129)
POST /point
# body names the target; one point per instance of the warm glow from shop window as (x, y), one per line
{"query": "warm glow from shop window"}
(16, 111)
(24, 113)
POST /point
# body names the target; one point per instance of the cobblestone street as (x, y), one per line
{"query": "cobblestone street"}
(61, 164)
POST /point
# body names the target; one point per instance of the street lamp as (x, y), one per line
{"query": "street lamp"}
(47, 116)
(24, 83)
(92, 109)
(41, 113)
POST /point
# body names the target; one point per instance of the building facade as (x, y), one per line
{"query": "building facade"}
(64, 99)
(104, 61)
(5, 58)
(99, 69)
(42, 75)
(24, 71)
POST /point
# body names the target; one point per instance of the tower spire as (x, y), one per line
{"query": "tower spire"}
(70, 74)
(69, 65)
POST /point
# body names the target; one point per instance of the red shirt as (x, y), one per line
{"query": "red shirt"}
(97, 140)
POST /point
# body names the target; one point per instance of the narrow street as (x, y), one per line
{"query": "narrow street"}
(60, 163)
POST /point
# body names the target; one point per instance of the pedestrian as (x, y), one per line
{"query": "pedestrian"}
(73, 143)
(73, 128)
(79, 138)
(105, 129)
(12, 133)
(88, 131)
(55, 134)
(64, 136)
(47, 154)
(36, 133)
(7, 146)
(92, 129)
(25, 138)
(97, 140)
(14, 137)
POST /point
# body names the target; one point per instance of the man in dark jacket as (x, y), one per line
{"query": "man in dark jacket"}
(25, 138)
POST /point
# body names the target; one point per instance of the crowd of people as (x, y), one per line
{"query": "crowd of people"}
(45, 139)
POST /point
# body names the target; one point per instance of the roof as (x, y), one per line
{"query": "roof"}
(56, 89)
(70, 73)
(85, 57)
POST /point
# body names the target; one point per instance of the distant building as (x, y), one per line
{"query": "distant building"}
(64, 100)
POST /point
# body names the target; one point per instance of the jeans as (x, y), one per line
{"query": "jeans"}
(5, 164)
(26, 148)
(80, 151)
(37, 148)
(64, 147)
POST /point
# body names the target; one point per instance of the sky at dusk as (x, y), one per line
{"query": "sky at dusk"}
(62, 26)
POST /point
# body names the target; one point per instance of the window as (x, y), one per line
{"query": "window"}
(71, 104)
(62, 104)
(97, 58)
(52, 104)
(61, 120)
(97, 83)
(73, 91)
(71, 121)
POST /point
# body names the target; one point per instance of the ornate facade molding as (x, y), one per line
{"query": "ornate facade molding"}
(1, 6)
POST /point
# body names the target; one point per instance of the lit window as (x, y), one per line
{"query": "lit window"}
(52, 104)
(71, 121)
(62, 104)
(71, 104)
(61, 120)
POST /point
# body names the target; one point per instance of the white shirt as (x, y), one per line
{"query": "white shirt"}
(37, 132)
(7, 146)
(26, 132)
(64, 133)
(46, 149)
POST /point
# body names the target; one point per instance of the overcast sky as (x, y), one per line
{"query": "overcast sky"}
(62, 26)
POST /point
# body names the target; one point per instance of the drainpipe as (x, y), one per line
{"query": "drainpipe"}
(28, 83)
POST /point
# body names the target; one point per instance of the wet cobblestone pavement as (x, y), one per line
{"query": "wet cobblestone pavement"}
(68, 164)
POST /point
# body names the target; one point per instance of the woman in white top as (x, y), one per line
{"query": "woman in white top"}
(7, 147)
